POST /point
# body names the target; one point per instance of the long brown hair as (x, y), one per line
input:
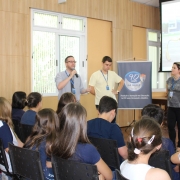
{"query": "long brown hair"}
(5, 111)
(72, 129)
(45, 128)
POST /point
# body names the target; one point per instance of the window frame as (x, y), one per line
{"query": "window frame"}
(157, 44)
(60, 31)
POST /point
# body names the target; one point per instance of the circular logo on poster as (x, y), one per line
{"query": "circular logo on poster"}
(134, 80)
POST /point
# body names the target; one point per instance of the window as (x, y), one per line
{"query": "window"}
(158, 78)
(54, 37)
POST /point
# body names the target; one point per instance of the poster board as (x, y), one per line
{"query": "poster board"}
(136, 92)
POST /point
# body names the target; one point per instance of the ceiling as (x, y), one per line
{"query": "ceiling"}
(148, 2)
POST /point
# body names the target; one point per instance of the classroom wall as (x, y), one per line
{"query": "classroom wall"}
(15, 37)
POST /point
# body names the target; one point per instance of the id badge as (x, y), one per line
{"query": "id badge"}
(73, 90)
(171, 94)
(107, 87)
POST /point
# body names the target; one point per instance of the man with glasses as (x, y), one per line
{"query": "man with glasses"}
(69, 80)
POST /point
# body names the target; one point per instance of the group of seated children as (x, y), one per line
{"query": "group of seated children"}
(64, 133)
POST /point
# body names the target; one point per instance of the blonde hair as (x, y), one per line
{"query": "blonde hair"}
(5, 111)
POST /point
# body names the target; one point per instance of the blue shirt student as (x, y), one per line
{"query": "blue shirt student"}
(17, 114)
(28, 117)
(85, 153)
(101, 128)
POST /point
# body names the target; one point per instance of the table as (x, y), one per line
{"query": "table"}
(162, 101)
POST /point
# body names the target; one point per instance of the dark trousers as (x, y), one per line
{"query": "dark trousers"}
(173, 116)
(113, 121)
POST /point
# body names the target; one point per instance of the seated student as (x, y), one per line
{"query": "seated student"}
(146, 138)
(157, 114)
(6, 132)
(18, 104)
(65, 99)
(34, 103)
(72, 142)
(41, 138)
(102, 127)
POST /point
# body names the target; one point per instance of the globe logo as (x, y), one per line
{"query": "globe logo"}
(134, 80)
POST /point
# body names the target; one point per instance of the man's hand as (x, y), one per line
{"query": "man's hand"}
(115, 91)
(73, 72)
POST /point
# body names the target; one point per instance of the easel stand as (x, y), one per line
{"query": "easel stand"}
(132, 123)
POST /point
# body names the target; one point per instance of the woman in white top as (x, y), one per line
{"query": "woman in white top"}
(145, 139)
(7, 134)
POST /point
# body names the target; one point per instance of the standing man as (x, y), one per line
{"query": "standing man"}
(102, 82)
(69, 80)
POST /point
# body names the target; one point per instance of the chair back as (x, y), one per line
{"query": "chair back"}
(3, 159)
(26, 131)
(119, 176)
(18, 128)
(68, 169)
(161, 159)
(108, 150)
(26, 162)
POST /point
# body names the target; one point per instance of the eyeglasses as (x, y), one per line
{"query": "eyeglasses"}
(71, 61)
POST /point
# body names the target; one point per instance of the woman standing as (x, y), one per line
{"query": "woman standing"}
(173, 102)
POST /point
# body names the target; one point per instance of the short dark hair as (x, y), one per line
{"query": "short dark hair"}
(154, 112)
(19, 100)
(107, 104)
(106, 58)
(177, 64)
(67, 58)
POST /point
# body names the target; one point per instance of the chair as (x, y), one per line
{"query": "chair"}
(3, 161)
(26, 131)
(108, 150)
(18, 128)
(68, 169)
(161, 159)
(119, 176)
(26, 163)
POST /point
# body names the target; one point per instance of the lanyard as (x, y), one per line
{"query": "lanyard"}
(105, 78)
(72, 82)
(173, 83)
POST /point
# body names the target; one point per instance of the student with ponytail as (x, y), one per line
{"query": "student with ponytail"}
(34, 103)
(146, 138)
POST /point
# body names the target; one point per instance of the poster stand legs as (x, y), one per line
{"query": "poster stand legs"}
(132, 123)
